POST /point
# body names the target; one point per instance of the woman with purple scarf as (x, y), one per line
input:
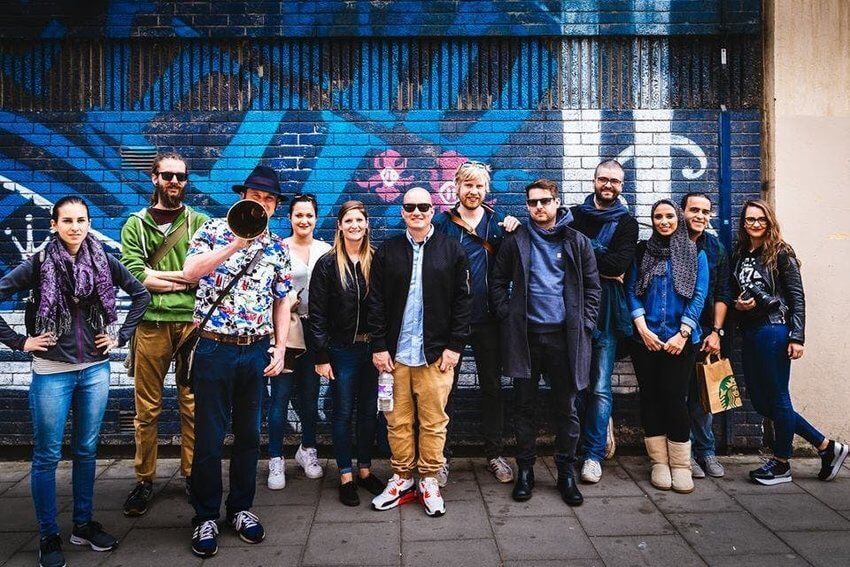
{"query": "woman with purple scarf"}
(73, 282)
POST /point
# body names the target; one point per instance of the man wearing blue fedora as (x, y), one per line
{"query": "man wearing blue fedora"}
(232, 356)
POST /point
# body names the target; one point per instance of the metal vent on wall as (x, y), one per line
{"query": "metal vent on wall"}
(137, 157)
(125, 421)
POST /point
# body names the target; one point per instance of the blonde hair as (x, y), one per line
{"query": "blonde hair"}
(473, 170)
(339, 245)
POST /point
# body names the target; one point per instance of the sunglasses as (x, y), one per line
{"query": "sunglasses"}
(421, 207)
(169, 175)
(305, 197)
(478, 164)
(545, 201)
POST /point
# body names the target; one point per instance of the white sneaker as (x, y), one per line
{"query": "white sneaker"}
(309, 461)
(443, 474)
(277, 474)
(430, 497)
(397, 492)
(591, 471)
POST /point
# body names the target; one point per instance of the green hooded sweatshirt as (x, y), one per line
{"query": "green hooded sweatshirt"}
(140, 238)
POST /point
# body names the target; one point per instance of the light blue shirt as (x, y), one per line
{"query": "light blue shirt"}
(411, 348)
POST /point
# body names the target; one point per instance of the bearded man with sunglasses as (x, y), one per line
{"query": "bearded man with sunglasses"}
(419, 313)
(154, 242)
(545, 291)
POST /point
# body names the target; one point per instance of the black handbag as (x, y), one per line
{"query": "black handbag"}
(32, 302)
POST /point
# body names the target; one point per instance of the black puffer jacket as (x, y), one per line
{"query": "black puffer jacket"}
(785, 283)
(337, 315)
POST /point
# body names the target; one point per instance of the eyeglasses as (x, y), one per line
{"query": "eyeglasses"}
(545, 201)
(421, 207)
(752, 221)
(606, 180)
(169, 175)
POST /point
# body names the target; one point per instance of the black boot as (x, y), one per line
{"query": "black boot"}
(568, 488)
(524, 483)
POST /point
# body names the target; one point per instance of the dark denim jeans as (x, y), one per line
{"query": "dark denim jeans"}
(484, 340)
(598, 398)
(548, 358)
(356, 382)
(306, 383)
(767, 371)
(228, 383)
(51, 397)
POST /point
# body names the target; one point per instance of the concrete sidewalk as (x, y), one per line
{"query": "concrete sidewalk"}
(624, 521)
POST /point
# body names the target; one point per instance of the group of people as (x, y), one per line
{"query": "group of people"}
(548, 298)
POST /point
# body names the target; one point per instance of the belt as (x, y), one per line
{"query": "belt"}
(240, 340)
(363, 338)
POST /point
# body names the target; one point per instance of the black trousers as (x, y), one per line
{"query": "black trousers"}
(664, 380)
(484, 340)
(548, 359)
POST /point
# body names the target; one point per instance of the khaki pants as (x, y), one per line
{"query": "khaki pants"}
(154, 343)
(419, 392)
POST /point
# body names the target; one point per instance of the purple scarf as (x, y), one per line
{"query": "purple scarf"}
(86, 281)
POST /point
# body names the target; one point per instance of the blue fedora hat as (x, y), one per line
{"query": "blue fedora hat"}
(263, 178)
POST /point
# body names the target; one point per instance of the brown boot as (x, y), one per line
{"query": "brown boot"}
(680, 466)
(656, 448)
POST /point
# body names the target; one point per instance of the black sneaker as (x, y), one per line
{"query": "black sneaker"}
(772, 472)
(137, 502)
(831, 460)
(205, 539)
(50, 552)
(248, 526)
(348, 494)
(92, 534)
(372, 483)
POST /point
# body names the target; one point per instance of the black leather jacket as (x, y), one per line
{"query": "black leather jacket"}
(337, 315)
(786, 284)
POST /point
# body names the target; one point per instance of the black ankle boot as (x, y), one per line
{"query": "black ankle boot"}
(524, 483)
(568, 488)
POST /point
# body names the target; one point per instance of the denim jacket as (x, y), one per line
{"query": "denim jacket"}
(664, 309)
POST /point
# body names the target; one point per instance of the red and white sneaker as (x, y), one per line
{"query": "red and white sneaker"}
(397, 492)
(430, 497)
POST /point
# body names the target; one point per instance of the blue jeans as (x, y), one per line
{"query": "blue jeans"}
(306, 382)
(228, 383)
(598, 399)
(356, 381)
(51, 397)
(702, 422)
(767, 371)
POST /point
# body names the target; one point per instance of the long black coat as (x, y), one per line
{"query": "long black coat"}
(508, 287)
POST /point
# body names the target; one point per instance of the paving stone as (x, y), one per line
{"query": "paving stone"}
(168, 509)
(646, 550)
(834, 494)
(259, 554)
(726, 534)
(10, 542)
(463, 520)
(63, 481)
(792, 512)
(23, 520)
(820, 548)
(297, 492)
(124, 468)
(154, 548)
(466, 553)
(353, 544)
(622, 515)
(543, 538)
(4, 486)
(783, 560)
(286, 525)
(737, 480)
(555, 563)
(114, 523)
(545, 502)
(615, 482)
(330, 509)
(707, 496)
(13, 471)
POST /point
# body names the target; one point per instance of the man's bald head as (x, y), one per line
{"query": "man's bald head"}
(417, 195)
(417, 212)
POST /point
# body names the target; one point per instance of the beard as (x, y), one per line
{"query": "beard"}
(604, 201)
(166, 200)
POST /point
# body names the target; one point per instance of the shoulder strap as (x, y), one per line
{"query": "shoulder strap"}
(35, 290)
(248, 267)
(169, 242)
(470, 232)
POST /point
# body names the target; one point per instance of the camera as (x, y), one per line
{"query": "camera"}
(756, 290)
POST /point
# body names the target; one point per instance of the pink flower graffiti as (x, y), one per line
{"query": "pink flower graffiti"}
(388, 180)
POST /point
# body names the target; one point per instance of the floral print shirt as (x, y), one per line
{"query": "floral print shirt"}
(247, 308)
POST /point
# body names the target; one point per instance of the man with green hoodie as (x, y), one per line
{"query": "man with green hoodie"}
(154, 242)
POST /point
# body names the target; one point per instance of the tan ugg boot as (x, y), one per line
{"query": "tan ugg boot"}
(680, 466)
(656, 448)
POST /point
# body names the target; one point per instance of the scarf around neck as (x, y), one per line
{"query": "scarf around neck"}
(86, 282)
(609, 217)
(678, 248)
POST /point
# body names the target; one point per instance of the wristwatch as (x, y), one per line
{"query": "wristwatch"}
(719, 330)
(684, 333)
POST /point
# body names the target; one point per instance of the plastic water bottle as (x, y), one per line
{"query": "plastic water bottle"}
(385, 391)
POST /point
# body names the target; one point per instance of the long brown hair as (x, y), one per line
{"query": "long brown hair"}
(339, 245)
(773, 244)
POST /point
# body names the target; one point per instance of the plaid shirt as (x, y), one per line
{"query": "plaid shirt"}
(247, 308)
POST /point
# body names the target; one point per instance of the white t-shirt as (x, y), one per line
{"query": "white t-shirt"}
(301, 272)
